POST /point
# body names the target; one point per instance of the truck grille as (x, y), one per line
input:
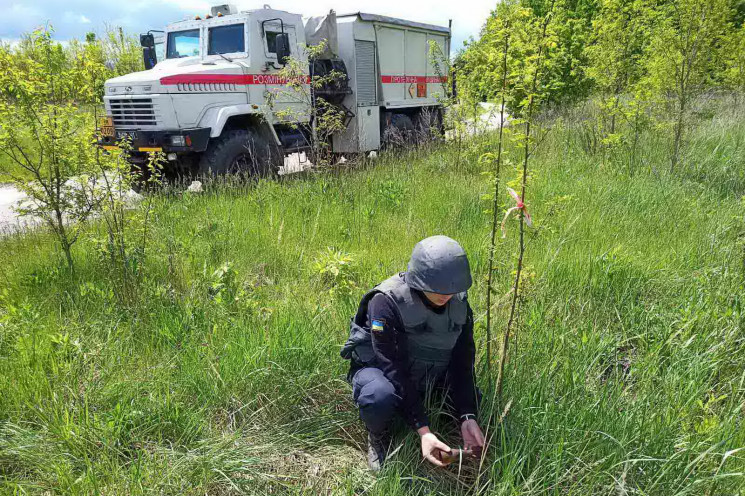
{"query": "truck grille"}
(132, 112)
(207, 87)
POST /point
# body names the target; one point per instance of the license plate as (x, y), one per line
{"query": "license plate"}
(106, 126)
(125, 135)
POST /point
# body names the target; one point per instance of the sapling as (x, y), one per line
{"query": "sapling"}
(495, 202)
(457, 109)
(43, 132)
(530, 107)
(620, 34)
(325, 118)
(681, 59)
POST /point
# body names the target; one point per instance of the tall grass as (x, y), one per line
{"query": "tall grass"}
(221, 374)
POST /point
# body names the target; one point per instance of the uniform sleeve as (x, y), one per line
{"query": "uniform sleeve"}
(389, 345)
(462, 384)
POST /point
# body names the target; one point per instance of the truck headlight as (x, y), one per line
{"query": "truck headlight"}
(178, 140)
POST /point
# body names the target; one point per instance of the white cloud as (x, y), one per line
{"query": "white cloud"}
(84, 20)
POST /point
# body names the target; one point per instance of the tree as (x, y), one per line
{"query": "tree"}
(497, 159)
(680, 59)
(126, 226)
(734, 61)
(539, 36)
(566, 79)
(122, 52)
(304, 91)
(620, 36)
(479, 65)
(98, 59)
(44, 133)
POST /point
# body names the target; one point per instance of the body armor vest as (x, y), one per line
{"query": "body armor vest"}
(430, 335)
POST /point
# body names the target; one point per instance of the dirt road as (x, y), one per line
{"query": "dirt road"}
(11, 221)
(9, 218)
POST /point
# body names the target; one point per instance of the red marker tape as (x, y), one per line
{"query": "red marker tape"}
(520, 206)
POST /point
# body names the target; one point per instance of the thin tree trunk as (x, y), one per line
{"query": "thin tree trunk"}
(635, 142)
(678, 134)
(521, 251)
(68, 256)
(495, 205)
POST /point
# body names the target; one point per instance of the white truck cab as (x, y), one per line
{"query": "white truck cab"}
(205, 101)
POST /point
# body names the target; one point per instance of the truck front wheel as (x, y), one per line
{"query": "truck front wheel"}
(238, 151)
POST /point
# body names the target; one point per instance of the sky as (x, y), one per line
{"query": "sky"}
(74, 18)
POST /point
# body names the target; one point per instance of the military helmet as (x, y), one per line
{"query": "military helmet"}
(439, 265)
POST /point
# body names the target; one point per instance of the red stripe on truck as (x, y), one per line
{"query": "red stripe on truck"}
(244, 79)
(227, 79)
(413, 79)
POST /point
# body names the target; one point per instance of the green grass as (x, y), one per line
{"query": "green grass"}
(626, 374)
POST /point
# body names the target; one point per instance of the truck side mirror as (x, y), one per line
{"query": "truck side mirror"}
(149, 58)
(283, 47)
(147, 40)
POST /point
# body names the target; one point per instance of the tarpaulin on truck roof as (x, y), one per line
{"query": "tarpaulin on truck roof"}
(401, 22)
(320, 28)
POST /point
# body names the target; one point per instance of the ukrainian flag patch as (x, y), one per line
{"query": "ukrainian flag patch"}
(377, 325)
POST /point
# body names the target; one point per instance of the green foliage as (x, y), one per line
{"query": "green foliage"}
(46, 135)
(643, 63)
(299, 101)
(124, 241)
(480, 67)
(48, 103)
(100, 59)
(79, 70)
(223, 285)
(733, 51)
(564, 76)
(680, 60)
(337, 271)
(625, 377)
(621, 35)
(567, 61)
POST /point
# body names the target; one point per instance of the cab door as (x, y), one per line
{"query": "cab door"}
(288, 103)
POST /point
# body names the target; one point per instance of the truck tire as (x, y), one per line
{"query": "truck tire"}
(429, 124)
(238, 151)
(399, 132)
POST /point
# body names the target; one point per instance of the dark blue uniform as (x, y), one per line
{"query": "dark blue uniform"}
(382, 390)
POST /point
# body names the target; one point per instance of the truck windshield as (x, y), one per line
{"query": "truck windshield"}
(226, 39)
(183, 44)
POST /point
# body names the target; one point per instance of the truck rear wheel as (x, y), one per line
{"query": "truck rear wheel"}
(399, 131)
(238, 151)
(429, 124)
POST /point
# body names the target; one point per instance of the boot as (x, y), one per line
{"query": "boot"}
(377, 449)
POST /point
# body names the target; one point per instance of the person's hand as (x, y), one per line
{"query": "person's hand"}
(472, 436)
(431, 446)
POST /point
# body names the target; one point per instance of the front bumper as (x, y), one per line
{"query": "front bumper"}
(193, 140)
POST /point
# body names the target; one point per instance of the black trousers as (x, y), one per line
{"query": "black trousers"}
(378, 401)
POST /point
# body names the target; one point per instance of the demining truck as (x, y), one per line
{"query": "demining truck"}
(213, 99)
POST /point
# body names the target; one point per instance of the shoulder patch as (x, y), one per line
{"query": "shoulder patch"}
(377, 325)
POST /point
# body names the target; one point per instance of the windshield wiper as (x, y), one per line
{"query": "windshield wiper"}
(223, 56)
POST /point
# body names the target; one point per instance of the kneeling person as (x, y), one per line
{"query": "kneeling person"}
(411, 332)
